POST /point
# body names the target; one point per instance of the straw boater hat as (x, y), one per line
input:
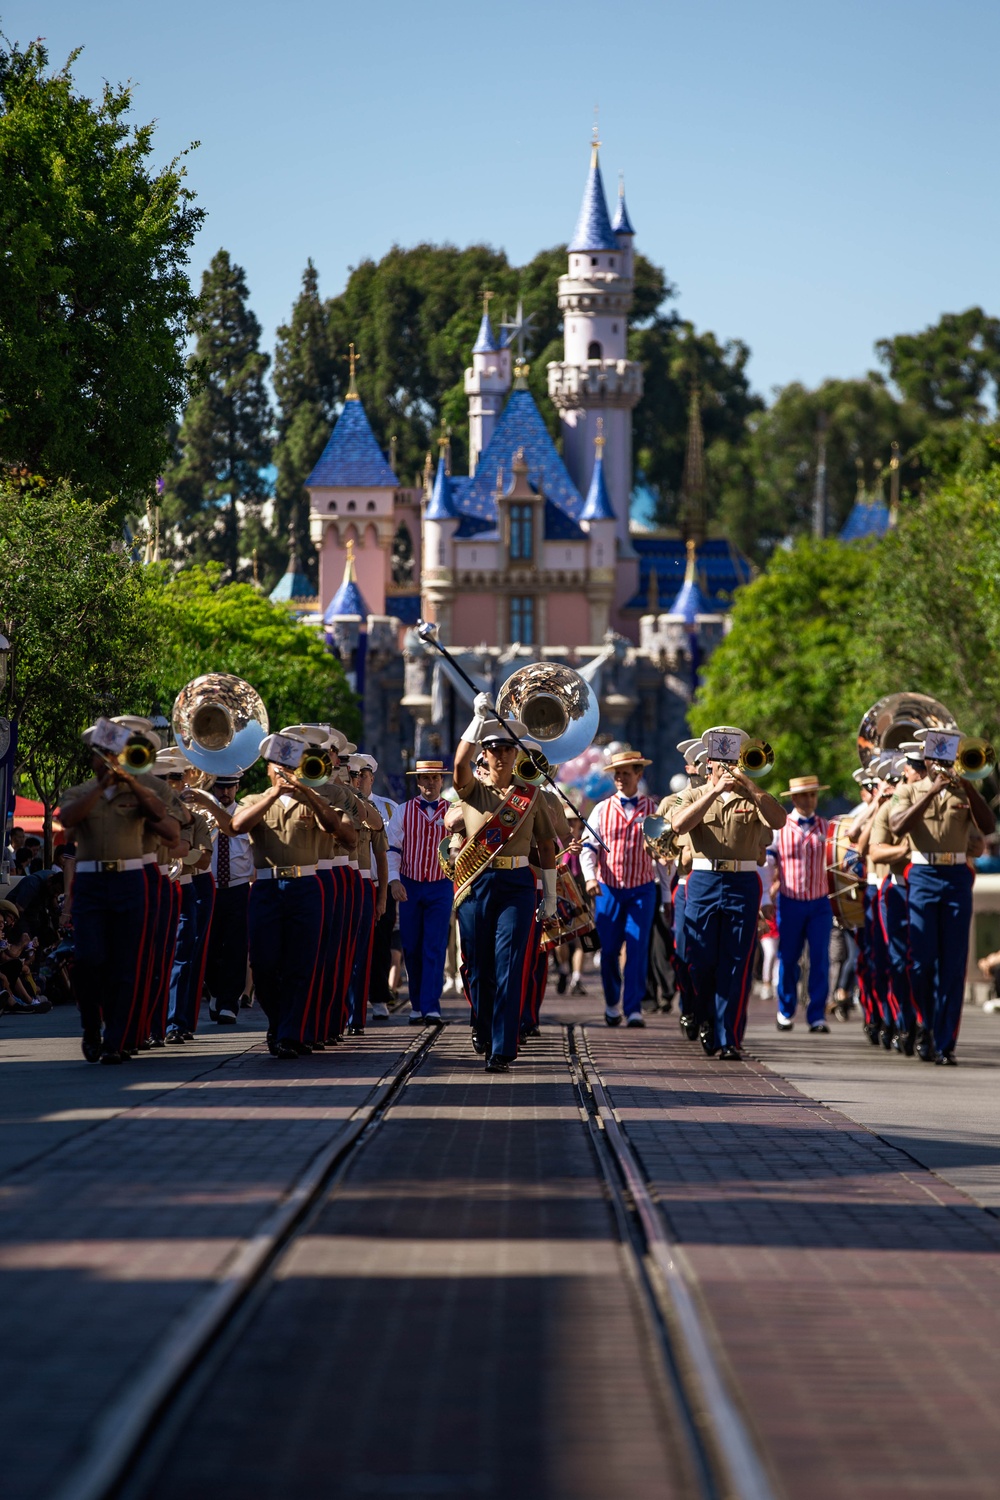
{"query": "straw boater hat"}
(429, 768)
(626, 758)
(798, 785)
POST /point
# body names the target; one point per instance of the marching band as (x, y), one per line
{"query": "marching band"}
(291, 895)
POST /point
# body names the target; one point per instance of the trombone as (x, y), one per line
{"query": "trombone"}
(136, 755)
(974, 759)
(315, 768)
(756, 759)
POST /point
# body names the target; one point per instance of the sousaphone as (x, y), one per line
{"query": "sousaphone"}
(219, 722)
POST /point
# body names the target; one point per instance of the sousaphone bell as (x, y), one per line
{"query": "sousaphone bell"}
(557, 706)
(219, 722)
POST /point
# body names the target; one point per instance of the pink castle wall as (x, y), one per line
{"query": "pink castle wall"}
(568, 620)
(474, 620)
(370, 566)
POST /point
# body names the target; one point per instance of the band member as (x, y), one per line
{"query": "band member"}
(889, 857)
(494, 888)
(108, 814)
(285, 825)
(730, 822)
(232, 869)
(940, 814)
(372, 847)
(379, 991)
(693, 752)
(886, 1016)
(868, 789)
(426, 897)
(621, 880)
(197, 904)
(804, 911)
(534, 991)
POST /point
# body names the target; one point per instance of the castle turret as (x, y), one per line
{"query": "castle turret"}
(487, 382)
(624, 234)
(596, 381)
(598, 520)
(440, 522)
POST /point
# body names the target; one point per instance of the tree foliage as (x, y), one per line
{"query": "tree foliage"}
(946, 368)
(78, 614)
(207, 625)
(788, 670)
(215, 492)
(94, 294)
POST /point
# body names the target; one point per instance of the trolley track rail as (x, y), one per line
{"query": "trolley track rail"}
(708, 1428)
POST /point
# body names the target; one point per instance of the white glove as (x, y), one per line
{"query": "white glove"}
(547, 909)
(483, 710)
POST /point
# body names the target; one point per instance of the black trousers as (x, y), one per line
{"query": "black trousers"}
(660, 980)
(378, 983)
(226, 967)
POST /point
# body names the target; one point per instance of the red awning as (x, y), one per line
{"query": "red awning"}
(29, 815)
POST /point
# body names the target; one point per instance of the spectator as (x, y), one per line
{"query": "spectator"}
(17, 837)
(19, 995)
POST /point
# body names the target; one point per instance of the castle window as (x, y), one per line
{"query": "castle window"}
(522, 619)
(351, 505)
(593, 350)
(370, 505)
(522, 539)
(333, 505)
(614, 328)
(402, 557)
(593, 260)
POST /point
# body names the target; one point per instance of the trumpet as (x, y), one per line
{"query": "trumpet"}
(756, 759)
(975, 758)
(136, 756)
(315, 768)
(532, 767)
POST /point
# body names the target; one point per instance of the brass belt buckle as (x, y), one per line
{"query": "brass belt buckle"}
(286, 872)
(108, 865)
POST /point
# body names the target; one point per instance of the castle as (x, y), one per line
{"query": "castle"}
(531, 555)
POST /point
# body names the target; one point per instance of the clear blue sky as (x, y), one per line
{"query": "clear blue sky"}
(812, 177)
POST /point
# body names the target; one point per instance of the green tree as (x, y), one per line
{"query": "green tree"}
(305, 383)
(94, 294)
(207, 625)
(215, 492)
(789, 670)
(767, 483)
(946, 369)
(78, 614)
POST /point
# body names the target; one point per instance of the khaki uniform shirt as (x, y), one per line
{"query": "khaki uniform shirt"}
(288, 834)
(199, 836)
(731, 829)
(883, 834)
(557, 817)
(114, 827)
(946, 824)
(345, 800)
(481, 801)
(368, 842)
(152, 843)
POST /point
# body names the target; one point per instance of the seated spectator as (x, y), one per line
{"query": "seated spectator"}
(22, 860)
(19, 995)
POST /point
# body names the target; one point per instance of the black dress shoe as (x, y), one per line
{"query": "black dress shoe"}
(561, 982)
(318, 1046)
(272, 1043)
(730, 1054)
(689, 1026)
(908, 1040)
(355, 1031)
(332, 1040)
(872, 1030)
(91, 1043)
(109, 1058)
(820, 1029)
(612, 1020)
(478, 1044)
(925, 1046)
(188, 1036)
(497, 1065)
(707, 1039)
(885, 1036)
(286, 1050)
(946, 1059)
(157, 1041)
(174, 1037)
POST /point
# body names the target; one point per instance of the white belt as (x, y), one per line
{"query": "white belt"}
(874, 879)
(107, 866)
(354, 865)
(147, 859)
(509, 862)
(917, 858)
(184, 879)
(725, 866)
(325, 864)
(285, 872)
(367, 874)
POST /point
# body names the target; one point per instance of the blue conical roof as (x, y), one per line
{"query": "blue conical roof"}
(293, 584)
(690, 601)
(597, 506)
(486, 343)
(621, 223)
(348, 600)
(868, 520)
(441, 505)
(593, 227)
(352, 456)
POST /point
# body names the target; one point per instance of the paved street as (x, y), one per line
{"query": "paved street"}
(457, 1317)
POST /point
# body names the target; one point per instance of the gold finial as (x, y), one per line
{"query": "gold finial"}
(487, 298)
(859, 464)
(689, 570)
(894, 461)
(521, 373)
(256, 575)
(349, 576)
(352, 389)
(595, 141)
(600, 439)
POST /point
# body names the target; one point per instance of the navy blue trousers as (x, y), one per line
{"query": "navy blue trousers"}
(109, 923)
(801, 922)
(424, 918)
(720, 926)
(625, 916)
(226, 967)
(495, 921)
(940, 913)
(286, 925)
(685, 992)
(894, 910)
(877, 954)
(180, 1009)
(357, 995)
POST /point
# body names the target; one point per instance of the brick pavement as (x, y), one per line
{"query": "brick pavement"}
(117, 1216)
(855, 1295)
(457, 1320)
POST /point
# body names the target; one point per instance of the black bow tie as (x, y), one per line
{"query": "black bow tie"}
(807, 822)
(427, 806)
(630, 801)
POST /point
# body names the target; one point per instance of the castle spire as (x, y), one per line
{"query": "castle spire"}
(693, 518)
(593, 227)
(690, 601)
(352, 388)
(598, 505)
(621, 223)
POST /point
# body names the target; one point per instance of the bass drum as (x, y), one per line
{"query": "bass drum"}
(846, 875)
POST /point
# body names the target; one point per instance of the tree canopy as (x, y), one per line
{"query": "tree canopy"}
(94, 295)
